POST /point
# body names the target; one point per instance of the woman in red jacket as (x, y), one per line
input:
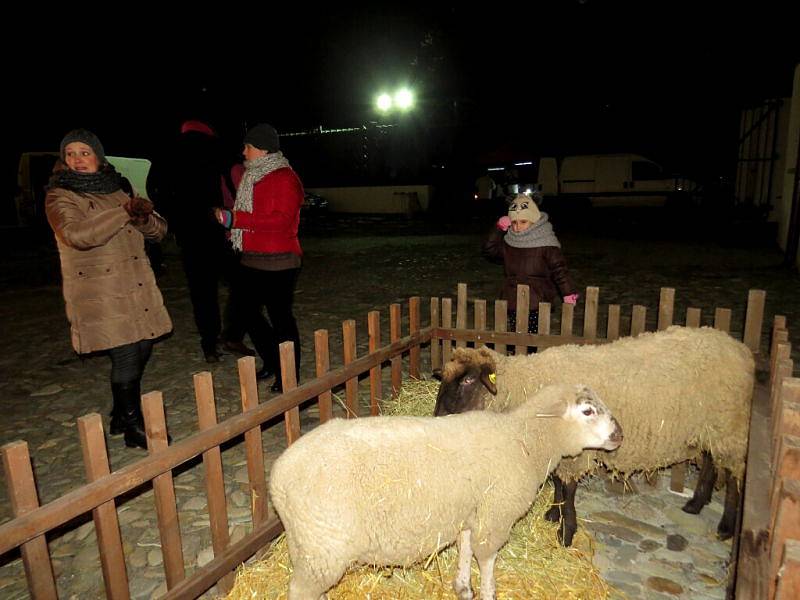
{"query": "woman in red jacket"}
(264, 223)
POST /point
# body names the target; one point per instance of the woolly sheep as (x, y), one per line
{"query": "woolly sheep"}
(678, 394)
(395, 490)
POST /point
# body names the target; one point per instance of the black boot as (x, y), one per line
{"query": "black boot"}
(127, 413)
(116, 427)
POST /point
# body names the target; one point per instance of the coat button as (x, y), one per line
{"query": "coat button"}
(135, 258)
(146, 309)
(140, 284)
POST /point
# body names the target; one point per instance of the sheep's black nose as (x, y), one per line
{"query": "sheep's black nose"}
(616, 435)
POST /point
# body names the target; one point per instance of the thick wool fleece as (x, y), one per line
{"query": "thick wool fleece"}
(394, 490)
(675, 393)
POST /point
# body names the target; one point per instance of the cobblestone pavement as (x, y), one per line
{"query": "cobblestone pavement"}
(645, 545)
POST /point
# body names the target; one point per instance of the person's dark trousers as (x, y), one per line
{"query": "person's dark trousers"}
(127, 367)
(533, 324)
(275, 291)
(234, 323)
(202, 268)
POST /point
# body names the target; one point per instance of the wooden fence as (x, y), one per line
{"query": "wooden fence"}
(768, 548)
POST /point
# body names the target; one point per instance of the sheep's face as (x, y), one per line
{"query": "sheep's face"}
(464, 387)
(597, 428)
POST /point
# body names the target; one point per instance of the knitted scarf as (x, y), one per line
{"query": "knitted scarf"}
(254, 171)
(536, 236)
(105, 181)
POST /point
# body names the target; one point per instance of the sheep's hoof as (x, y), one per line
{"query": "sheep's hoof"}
(553, 515)
(465, 594)
(724, 531)
(565, 535)
(693, 507)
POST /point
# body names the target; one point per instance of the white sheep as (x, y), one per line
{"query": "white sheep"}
(677, 393)
(396, 490)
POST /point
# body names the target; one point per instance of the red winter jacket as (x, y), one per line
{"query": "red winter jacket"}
(272, 226)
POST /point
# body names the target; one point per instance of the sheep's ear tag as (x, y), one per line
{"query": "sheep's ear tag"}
(493, 377)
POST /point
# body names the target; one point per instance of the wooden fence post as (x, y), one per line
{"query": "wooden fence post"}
(164, 490)
(480, 316)
(24, 499)
(638, 319)
(323, 364)
(523, 312)
(215, 480)
(413, 324)
(612, 331)
(693, 317)
(375, 373)
(436, 345)
(461, 312)
(590, 312)
(666, 308)
(787, 525)
(500, 323)
(567, 316)
(789, 581)
(397, 361)
(447, 323)
(722, 319)
(754, 319)
(544, 319)
(254, 448)
(349, 353)
(106, 523)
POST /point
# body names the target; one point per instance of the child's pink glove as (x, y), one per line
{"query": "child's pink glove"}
(503, 223)
(571, 299)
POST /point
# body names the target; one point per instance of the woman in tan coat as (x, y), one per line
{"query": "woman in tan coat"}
(112, 300)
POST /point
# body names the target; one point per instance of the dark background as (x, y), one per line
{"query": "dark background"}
(664, 79)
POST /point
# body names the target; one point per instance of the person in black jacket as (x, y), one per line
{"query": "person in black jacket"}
(187, 189)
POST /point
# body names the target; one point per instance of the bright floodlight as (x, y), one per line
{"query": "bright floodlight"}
(404, 99)
(384, 102)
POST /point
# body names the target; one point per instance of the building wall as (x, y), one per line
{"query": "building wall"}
(789, 179)
(398, 199)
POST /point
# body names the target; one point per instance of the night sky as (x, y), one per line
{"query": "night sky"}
(661, 78)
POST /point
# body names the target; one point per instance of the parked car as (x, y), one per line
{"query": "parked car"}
(314, 205)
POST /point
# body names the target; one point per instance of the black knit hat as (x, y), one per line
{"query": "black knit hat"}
(88, 138)
(264, 137)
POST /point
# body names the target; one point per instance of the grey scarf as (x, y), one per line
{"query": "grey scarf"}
(254, 171)
(536, 236)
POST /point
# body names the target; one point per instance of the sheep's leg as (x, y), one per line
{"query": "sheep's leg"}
(727, 525)
(461, 584)
(486, 553)
(308, 584)
(304, 588)
(704, 487)
(554, 514)
(569, 519)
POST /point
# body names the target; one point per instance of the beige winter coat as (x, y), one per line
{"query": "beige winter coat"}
(109, 288)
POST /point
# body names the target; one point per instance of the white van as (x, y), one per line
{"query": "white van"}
(610, 180)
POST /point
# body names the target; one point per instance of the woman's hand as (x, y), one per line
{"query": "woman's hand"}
(224, 217)
(571, 299)
(139, 209)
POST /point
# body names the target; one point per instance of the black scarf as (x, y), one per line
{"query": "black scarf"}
(105, 181)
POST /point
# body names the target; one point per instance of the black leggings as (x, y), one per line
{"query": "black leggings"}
(128, 361)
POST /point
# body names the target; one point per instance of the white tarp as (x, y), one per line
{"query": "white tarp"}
(134, 170)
